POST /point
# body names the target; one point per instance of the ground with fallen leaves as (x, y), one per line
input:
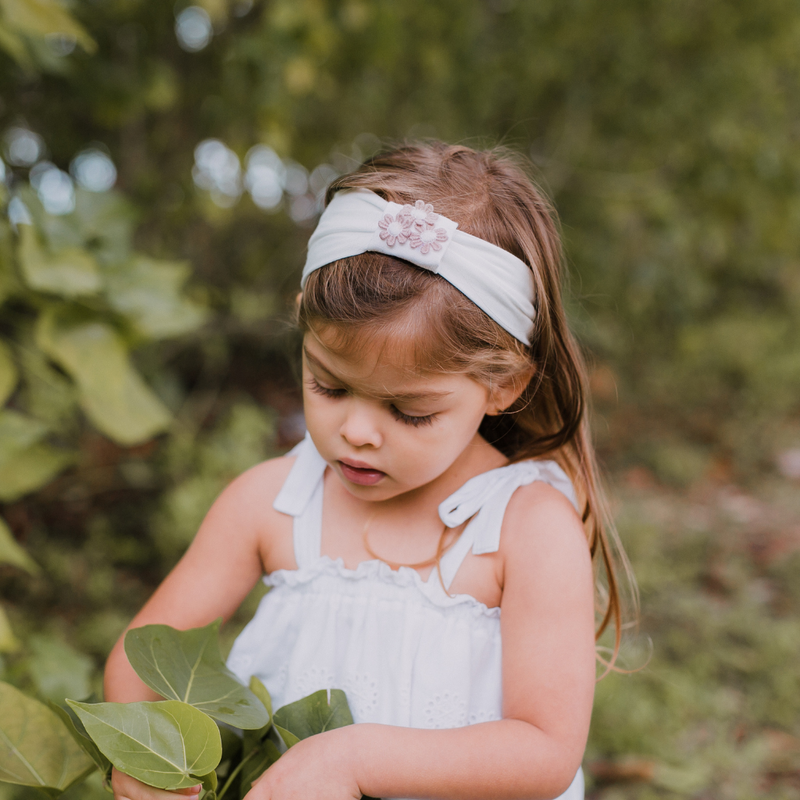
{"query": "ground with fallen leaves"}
(713, 710)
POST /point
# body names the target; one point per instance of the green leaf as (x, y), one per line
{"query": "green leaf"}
(8, 373)
(8, 642)
(258, 763)
(260, 691)
(252, 739)
(289, 739)
(35, 747)
(9, 282)
(149, 293)
(12, 553)
(69, 272)
(78, 732)
(14, 45)
(209, 781)
(166, 744)
(26, 462)
(18, 432)
(322, 711)
(112, 393)
(42, 17)
(57, 669)
(187, 666)
(49, 395)
(30, 470)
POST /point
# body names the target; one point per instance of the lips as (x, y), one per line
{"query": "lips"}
(360, 473)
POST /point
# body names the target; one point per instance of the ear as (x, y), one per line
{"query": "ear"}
(297, 301)
(505, 395)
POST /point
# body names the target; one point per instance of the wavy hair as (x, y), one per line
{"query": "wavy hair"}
(490, 195)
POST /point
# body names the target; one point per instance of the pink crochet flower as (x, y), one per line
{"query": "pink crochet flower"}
(420, 215)
(428, 239)
(394, 229)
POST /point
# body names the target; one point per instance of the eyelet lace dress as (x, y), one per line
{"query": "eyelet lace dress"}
(404, 651)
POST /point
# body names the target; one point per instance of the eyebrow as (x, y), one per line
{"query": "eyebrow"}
(402, 397)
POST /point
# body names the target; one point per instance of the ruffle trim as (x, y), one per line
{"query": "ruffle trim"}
(380, 572)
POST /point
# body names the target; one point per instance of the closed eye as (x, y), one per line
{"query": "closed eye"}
(406, 419)
(325, 391)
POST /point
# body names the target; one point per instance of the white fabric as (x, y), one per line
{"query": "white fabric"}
(495, 280)
(404, 651)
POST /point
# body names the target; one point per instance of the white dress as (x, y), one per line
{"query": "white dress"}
(404, 651)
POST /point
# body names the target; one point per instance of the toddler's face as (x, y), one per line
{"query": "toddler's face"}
(382, 426)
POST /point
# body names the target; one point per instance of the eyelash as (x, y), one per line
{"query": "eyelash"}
(406, 419)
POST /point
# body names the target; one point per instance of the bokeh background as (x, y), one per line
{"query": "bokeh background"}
(162, 167)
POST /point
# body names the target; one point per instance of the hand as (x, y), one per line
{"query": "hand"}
(127, 788)
(320, 766)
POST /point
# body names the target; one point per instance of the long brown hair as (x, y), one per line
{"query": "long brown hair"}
(489, 195)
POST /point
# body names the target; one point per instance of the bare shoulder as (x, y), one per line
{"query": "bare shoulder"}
(253, 492)
(245, 506)
(543, 535)
(268, 474)
(541, 514)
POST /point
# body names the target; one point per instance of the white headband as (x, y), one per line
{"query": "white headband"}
(357, 221)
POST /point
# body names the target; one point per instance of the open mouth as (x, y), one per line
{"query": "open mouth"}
(362, 475)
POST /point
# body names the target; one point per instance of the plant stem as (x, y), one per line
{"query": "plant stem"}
(236, 771)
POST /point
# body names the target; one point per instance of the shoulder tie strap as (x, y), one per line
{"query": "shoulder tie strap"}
(301, 497)
(302, 480)
(487, 495)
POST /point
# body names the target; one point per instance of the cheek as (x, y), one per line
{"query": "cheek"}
(319, 412)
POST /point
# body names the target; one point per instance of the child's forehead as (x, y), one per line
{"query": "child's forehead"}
(362, 348)
(377, 359)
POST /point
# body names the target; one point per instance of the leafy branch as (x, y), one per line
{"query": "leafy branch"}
(210, 729)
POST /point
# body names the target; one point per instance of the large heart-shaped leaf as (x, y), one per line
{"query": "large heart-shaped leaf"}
(187, 666)
(30, 469)
(319, 712)
(71, 272)
(149, 293)
(112, 393)
(36, 749)
(26, 462)
(58, 670)
(167, 744)
(78, 732)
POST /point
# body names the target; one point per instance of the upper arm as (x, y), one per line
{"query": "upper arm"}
(215, 574)
(548, 617)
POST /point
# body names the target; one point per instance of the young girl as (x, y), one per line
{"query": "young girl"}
(428, 516)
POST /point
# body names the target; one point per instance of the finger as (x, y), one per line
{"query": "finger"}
(129, 788)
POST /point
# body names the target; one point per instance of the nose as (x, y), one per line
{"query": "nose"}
(361, 426)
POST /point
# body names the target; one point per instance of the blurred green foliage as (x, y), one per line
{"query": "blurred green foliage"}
(144, 355)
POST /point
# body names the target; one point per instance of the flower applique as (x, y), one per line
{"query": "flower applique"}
(395, 229)
(414, 224)
(428, 239)
(421, 215)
